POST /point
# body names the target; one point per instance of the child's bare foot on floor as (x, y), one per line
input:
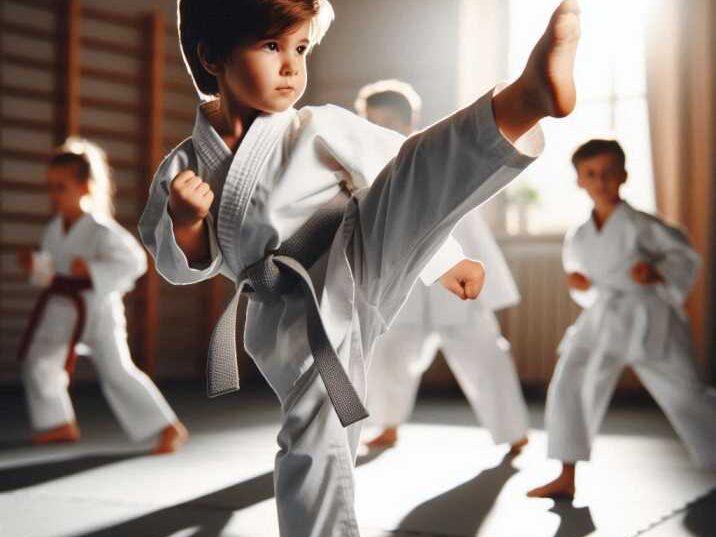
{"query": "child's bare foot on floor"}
(560, 488)
(69, 432)
(171, 439)
(516, 448)
(546, 86)
(387, 439)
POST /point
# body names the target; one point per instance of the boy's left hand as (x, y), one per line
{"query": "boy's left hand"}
(645, 274)
(465, 280)
(79, 268)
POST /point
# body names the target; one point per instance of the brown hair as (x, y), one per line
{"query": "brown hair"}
(393, 94)
(88, 163)
(221, 25)
(596, 147)
(76, 161)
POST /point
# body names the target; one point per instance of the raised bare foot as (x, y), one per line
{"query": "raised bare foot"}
(387, 439)
(548, 76)
(560, 488)
(546, 86)
(516, 448)
(69, 432)
(171, 439)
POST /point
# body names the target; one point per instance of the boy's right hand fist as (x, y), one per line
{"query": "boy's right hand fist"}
(578, 281)
(190, 199)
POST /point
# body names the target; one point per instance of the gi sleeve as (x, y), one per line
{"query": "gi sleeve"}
(117, 261)
(672, 255)
(43, 269)
(156, 228)
(572, 263)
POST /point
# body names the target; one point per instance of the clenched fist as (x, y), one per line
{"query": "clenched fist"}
(645, 274)
(465, 280)
(578, 281)
(190, 199)
(79, 268)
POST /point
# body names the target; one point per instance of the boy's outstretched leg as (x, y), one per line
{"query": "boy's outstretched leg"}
(546, 86)
(560, 488)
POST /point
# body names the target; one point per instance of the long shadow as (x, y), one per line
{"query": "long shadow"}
(207, 515)
(462, 510)
(574, 521)
(700, 519)
(19, 477)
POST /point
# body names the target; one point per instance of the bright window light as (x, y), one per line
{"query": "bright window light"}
(611, 81)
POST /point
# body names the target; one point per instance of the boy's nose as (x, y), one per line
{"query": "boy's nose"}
(288, 70)
(289, 67)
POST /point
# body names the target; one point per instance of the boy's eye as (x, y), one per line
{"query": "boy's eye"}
(272, 46)
(301, 49)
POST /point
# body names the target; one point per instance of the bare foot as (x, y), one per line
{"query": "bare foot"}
(516, 448)
(69, 432)
(171, 439)
(546, 86)
(549, 71)
(560, 488)
(387, 439)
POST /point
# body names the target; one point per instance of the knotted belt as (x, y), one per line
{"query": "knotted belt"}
(68, 287)
(278, 274)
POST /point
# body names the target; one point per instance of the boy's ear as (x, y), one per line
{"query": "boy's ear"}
(212, 68)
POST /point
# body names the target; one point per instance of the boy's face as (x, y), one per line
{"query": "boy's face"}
(601, 176)
(269, 75)
(387, 117)
(65, 190)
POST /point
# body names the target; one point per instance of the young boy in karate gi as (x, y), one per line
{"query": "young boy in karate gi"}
(253, 191)
(631, 273)
(87, 261)
(468, 333)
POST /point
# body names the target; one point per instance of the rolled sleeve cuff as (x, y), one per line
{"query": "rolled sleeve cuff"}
(184, 273)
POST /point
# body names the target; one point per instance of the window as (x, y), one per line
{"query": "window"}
(611, 83)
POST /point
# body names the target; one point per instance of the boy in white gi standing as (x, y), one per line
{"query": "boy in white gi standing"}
(468, 333)
(631, 273)
(251, 195)
(86, 262)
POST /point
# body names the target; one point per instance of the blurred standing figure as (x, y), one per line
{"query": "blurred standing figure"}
(467, 332)
(86, 262)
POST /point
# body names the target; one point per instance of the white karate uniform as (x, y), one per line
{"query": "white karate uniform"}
(287, 166)
(468, 333)
(625, 323)
(115, 260)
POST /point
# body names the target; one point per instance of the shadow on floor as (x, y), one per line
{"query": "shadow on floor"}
(205, 516)
(573, 521)
(700, 517)
(462, 510)
(19, 477)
